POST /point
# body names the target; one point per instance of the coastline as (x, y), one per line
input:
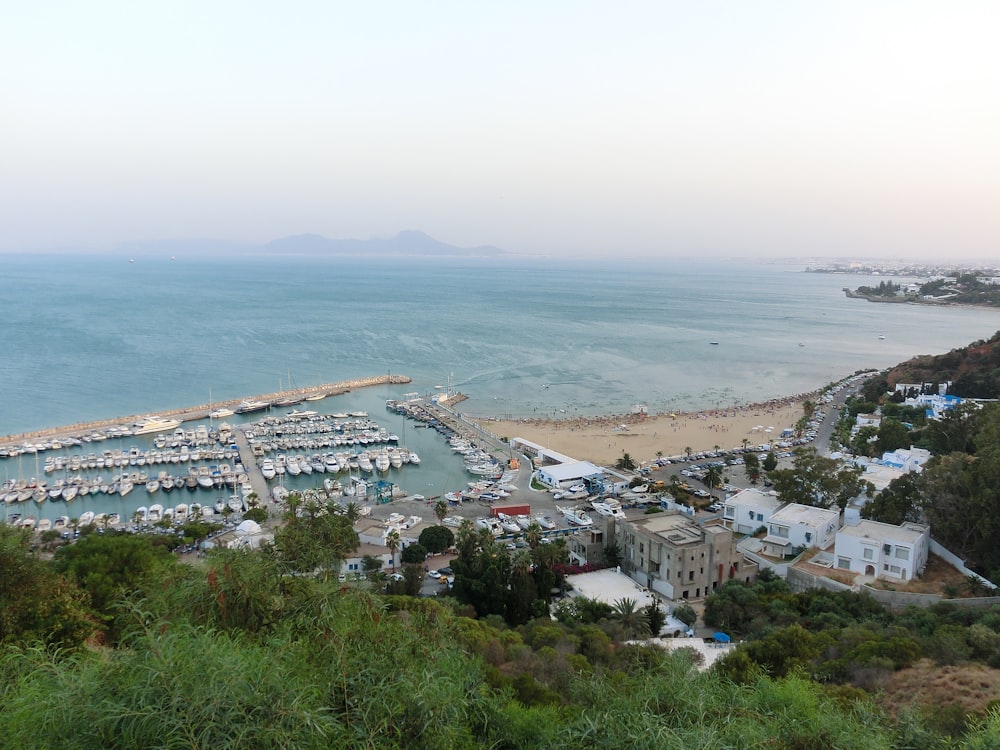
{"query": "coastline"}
(191, 413)
(604, 439)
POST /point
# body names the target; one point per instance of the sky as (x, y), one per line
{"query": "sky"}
(742, 128)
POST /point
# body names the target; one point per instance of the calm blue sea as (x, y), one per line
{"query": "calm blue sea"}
(99, 337)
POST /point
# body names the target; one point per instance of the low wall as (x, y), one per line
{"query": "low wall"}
(799, 581)
(900, 600)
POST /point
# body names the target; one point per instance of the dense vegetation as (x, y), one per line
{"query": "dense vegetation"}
(973, 370)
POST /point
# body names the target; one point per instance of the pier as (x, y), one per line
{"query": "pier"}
(192, 413)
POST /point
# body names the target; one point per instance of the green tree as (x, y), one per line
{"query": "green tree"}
(533, 535)
(392, 541)
(370, 565)
(36, 603)
(897, 503)
(959, 497)
(751, 465)
(482, 572)
(522, 591)
(770, 462)
(440, 510)
(107, 566)
(862, 444)
(315, 541)
(259, 515)
(713, 478)
(891, 436)
(613, 554)
(436, 538)
(686, 614)
(625, 463)
(818, 481)
(413, 554)
(633, 620)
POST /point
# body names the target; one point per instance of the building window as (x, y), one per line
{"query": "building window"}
(902, 553)
(691, 575)
(642, 547)
(844, 563)
(779, 531)
(869, 553)
(809, 537)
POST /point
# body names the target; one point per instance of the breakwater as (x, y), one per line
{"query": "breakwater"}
(191, 413)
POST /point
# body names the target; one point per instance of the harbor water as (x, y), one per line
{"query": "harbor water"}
(99, 337)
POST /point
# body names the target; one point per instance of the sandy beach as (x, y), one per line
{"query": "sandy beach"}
(603, 440)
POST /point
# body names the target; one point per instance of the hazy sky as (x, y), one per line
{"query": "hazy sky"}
(669, 128)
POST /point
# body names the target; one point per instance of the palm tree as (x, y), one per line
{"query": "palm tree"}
(633, 620)
(392, 541)
(746, 442)
(533, 535)
(713, 478)
(440, 510)
(353, 512)
(687, 451)
(626, 462)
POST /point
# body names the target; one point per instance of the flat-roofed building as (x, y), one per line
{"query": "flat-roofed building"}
(749, 509)
(796, 526)
(677, 557)
(883, 550)
(559, 474)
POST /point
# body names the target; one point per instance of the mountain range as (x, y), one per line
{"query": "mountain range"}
(408, 242)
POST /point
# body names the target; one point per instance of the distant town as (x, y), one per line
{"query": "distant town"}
(921, 283)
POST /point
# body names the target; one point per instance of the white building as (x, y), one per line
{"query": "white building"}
(797, 526)
(882, 550)
(912, 459)
(569, 473)
(749, 509)
(934, 405)
(868, 420)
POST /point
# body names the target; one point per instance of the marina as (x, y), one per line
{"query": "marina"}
(210, 469)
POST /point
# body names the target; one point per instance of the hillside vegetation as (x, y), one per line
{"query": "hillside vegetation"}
(973, 370)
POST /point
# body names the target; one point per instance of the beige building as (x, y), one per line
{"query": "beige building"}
(677, 557)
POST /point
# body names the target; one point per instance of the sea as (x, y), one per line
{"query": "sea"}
(90, 337)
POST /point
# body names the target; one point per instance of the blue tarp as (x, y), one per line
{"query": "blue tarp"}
(721, 638)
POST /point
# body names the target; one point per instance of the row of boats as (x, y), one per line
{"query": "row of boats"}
(502, 524)
(317, 433)
(134, 456)
(64, 523)
(210, 477)
(366, 461)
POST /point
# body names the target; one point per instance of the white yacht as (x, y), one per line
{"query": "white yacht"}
(267, 469)
(154, 424)
(575, 516)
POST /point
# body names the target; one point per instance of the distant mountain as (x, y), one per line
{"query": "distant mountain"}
(973, 370)
(404, 243)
